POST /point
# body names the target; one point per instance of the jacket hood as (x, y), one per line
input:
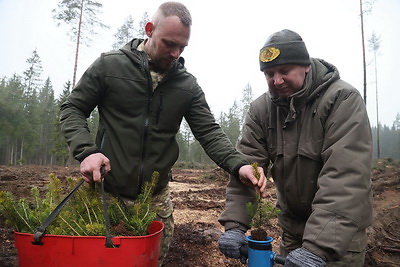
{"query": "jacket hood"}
(320, 77)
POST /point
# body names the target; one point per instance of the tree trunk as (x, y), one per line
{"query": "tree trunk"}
(378, 143)
(77, 44)
(12, 155)
(22, 150)
(363, 50)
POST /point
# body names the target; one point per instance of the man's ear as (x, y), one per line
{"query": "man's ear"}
(149, 27)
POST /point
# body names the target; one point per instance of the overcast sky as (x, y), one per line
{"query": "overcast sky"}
(226, 38)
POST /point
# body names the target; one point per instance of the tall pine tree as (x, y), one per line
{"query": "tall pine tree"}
(81, 17)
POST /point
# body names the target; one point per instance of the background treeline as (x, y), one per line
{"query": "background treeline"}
(29, 110)
(30, 129)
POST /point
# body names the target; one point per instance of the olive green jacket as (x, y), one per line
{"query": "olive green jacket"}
(137, 125)
(320, 147)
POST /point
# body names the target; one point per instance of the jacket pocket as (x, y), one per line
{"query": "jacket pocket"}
(309, 164)
(100, 137)
(359, 242)
(160, 107)
(311, 149)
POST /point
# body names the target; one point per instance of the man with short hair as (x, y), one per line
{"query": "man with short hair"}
(143, 91)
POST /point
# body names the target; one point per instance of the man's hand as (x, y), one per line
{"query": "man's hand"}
(230, 243)
(246, 176)
(303, 258)
(90, 167)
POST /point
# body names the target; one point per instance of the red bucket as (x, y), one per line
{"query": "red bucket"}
(60, 250)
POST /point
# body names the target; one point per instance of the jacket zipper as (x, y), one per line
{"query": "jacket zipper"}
(146, 123)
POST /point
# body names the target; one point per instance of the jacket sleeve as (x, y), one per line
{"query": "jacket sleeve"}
(343, 203)
(252, 144)
(77, 108)
(210, 135)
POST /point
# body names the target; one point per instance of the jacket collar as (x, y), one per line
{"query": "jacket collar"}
(130, 50)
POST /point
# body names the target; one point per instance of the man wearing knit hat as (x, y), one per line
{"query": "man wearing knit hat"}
(312, 129)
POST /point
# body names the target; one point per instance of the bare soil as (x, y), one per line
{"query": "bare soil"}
(199, 197)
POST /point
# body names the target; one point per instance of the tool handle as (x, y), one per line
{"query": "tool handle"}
(244, 250)
(279, 259)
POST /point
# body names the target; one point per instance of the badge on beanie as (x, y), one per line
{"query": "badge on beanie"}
(269, 54)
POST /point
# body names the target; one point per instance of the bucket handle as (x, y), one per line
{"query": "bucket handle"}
(42, 229)
(109, 243)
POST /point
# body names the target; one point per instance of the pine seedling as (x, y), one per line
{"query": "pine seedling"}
(83, 215)
(142, 212)
(260, 211)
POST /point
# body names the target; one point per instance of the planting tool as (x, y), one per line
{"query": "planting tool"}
(260, 253)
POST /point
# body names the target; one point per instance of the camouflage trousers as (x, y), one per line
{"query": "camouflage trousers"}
(162, 201)
(355, 255)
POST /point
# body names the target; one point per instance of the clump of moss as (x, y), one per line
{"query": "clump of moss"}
(261, 211)
(83, 215)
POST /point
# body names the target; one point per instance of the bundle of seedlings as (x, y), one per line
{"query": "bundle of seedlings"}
(83, 215)
(261, 211)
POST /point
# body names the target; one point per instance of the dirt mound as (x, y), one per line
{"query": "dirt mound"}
(199, 198)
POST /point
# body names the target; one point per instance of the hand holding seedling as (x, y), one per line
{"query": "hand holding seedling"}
(90, 167)
(260, 211)
(249, 177)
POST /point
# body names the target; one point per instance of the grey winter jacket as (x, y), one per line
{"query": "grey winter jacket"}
(320, 147)
(137, 125)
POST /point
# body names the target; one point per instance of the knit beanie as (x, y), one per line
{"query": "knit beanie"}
(284, 47)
